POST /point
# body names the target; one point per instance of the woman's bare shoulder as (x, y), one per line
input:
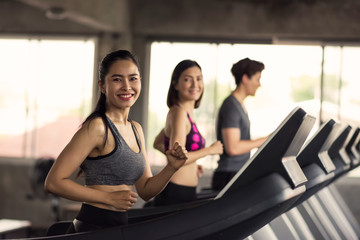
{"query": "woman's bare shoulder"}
(94, 127)
(177, 112)
(137, 125)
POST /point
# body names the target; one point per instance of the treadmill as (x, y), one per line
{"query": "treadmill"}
(321, 212)
(266, 186)
(351, 148)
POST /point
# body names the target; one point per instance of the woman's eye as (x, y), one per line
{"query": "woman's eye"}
(134, 79)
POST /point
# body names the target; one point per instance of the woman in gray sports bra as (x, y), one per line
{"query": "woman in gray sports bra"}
(110, 151)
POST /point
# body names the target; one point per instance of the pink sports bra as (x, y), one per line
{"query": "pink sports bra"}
(194, 140)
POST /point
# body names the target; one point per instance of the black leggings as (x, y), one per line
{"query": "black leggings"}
(220, 179)
(92, 218)
(174, 193)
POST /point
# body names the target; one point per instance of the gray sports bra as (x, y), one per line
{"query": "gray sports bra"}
(121, 166)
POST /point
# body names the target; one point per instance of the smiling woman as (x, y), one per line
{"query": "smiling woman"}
(184, 95)
(109, 148)
(123, 88)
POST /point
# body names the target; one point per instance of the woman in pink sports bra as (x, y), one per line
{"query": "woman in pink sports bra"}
(184, 95)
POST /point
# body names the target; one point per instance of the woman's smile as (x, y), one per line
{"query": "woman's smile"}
(125, 96)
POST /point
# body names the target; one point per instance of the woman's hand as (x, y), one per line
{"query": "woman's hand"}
(200, 170)
(122, 200)
(216, 148)
(177, 156)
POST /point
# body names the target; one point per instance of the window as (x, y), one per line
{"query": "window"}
(46, 91)
(292, 77)
(331, 83)
(350, 85)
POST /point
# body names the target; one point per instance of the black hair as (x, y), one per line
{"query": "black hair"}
(247, 67)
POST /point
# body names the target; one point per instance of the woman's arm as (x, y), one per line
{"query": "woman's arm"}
(148, 186)
(59, 182)
(234, 146)
(215, 148)
(180, 126)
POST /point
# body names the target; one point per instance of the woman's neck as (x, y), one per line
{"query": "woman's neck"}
(188, 106)
(118, 116)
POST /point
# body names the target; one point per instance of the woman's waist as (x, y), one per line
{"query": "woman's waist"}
(108, 188)
(93, 215)
(103, 206)
(186, 176)
(111, 188)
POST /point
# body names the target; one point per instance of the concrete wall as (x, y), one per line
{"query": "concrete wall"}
(187, 19)
(19, 201)
(16, 193)
(241, 19)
